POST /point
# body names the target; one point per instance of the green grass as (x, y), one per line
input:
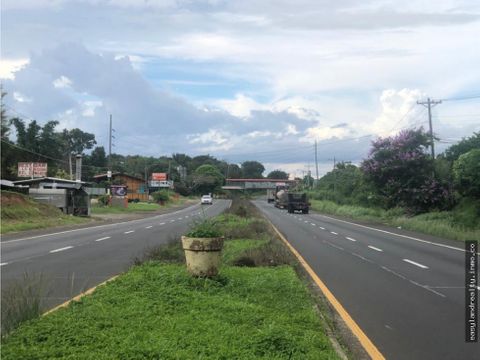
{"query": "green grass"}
(233, 249)
(132, 208)
(138, 207)
(446, 224)
(19, 213)
(158, 311)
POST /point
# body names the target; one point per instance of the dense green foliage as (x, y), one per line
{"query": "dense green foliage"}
(207, 179)
(252, 170)
(161, 196)
(466, 171)
(278, 174)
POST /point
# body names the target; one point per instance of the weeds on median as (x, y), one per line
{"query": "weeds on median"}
(170, 252)
(22, 301)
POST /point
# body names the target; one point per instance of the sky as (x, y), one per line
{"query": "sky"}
(245, 80)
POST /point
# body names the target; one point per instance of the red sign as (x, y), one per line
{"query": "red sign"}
(32, 169)
(159, 176)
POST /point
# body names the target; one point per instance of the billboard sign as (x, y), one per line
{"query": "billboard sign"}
(119, 190)
(26, 169)
(161, 184)
(159, 176)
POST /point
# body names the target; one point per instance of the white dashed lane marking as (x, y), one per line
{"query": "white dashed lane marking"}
(162, 224)
(415, 263)
(149, 227)
(375, 248)
(104, 238)
(333, 232)
(129, 232)
(61, 249)
(3, 264)
(349, 238)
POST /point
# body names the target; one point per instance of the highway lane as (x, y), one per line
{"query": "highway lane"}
(72, 261)
(407, 294)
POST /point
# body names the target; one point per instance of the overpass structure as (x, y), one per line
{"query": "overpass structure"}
(256, 184)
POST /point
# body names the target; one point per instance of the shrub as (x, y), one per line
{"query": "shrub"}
(104, 200)
(207, 228)
(161, 196)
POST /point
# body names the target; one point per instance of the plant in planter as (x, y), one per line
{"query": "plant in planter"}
(203, 245)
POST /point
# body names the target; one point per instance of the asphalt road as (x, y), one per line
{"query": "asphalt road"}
(73, 261)
(406, 294)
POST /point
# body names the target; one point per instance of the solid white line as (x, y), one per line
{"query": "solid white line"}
(415, 263)
(391, 233)
(374, 248)
(61, 249)
(349, 238)
(149, 227)
(2, 264)
(333, 232)
(129, 232)
(104, 238)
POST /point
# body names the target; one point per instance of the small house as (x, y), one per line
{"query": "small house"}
(136, 188)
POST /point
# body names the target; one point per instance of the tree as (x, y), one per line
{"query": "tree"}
(278, 174)
(400, 171)
(234, 171)
(206, 179)
(98, 157)
(464, 146)
(77, 141)
(466, 170)
(252, 170)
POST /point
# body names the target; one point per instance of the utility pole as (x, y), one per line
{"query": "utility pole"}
(309, 174)
(334, 175)
(110, 145)
(316, 164)
(428, 104)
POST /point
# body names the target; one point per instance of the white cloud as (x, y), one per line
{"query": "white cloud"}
(62, 82)
(21, 98)
(8, 67)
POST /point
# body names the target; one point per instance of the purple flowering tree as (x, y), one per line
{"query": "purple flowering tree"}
(400, 170)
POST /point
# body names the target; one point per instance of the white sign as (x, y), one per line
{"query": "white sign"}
(32, 169)
(165, 184)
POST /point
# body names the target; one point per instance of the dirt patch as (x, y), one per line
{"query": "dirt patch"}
(12, 199)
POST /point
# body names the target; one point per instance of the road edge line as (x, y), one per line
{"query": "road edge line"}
(79, 296)
(366, 343)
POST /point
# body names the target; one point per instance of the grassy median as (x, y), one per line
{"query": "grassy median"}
(256, 308)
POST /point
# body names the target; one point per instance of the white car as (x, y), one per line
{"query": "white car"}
(207, 200)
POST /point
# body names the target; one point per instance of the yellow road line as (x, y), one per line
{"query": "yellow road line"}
(367, 344)
(78, 297)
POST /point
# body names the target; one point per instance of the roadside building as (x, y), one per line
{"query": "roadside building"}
(136, 188)
(70, 196)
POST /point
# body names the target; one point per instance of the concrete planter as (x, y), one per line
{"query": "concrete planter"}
(203, 255)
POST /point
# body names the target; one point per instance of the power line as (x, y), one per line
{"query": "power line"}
(462, 98)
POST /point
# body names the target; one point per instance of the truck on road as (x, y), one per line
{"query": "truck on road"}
(292, 201)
